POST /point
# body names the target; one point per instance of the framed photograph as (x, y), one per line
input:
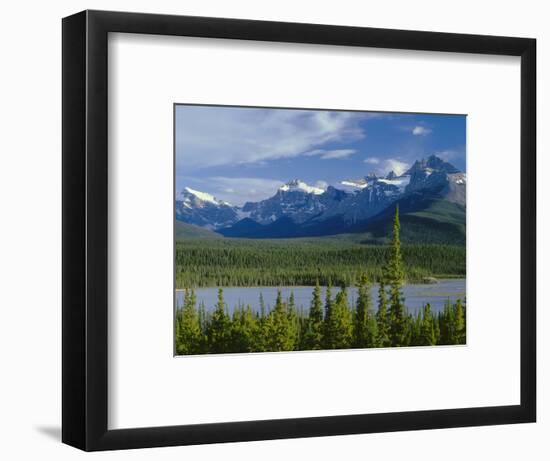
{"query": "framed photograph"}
(279, 230)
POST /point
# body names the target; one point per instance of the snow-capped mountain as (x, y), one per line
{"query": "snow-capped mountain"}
(204, 210)
(194, 198)
(295, 199)
(299, 209)
(353, 185)
(296, 185)
(371, 195)
(438, 177)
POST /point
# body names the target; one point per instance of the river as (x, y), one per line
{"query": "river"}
(416, 295)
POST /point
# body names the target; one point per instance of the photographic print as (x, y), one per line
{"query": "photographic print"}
(302, 229)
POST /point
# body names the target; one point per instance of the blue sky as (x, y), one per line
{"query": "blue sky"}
(244, 154)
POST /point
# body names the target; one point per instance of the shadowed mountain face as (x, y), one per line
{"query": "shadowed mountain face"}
(431, 196)
(299, 204)
(204, 210)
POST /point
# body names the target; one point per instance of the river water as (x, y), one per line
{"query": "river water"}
(416, 295)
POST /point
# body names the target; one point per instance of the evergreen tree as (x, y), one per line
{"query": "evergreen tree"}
(339, 327)
(365, 330)
(409, 330)
(446, 324)
(382, 317)
(437, 333)
(280, 332)
(291, 301)
(188, 330)
(459, 323)
(203, 317)
(427, 336)
(328, 300)
(295, 322)
(262, 303)
(219, 329)
(394, 276)
(416, 326)
(244, 330)
(313, 337)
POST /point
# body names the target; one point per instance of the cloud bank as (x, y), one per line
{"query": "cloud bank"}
(213, 136)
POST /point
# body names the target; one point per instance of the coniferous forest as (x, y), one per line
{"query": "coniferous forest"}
(330, 322)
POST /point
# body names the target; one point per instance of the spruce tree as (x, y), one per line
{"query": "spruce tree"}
(365, 330)
(427, 336)
(328, 300)
(291, 301)
(437, 333)
(280, 328)
(409, 330)
(394, 276)
(294, 320)
(339, 327)
(219, 330)
(446, 324)
(382, 317)
(244, 330)
(188, 330)
(313, 337)
(262, 303)
(459, 323)
(416, 326)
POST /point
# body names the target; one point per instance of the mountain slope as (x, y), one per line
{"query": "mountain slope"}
(424, 219)
(204, 210)
(296, 200)
(184, 231)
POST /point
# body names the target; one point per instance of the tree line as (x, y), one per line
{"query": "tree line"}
(234, 262)
(330, 323)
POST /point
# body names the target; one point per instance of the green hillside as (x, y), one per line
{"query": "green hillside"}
(186, 231)
(426, 220)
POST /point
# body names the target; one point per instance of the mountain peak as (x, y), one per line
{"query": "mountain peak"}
(437, 163)
(188, 194)
(433, 162)
(297, 185)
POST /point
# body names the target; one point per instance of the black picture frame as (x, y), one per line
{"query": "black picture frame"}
(85, 218)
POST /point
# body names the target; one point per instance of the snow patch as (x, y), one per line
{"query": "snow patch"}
(401, 181)
(243, 214)
(202, 195)
(359, 184)
(300, 186)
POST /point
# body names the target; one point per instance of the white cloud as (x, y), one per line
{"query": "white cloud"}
(331, 154)
(397, 166)
(213, 136)
(421, 131)
(385, 165)
(321, 184)
(237, 191)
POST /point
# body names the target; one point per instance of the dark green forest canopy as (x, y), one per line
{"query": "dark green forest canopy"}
(291, 262)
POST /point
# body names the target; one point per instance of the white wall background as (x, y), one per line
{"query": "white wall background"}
(30, 241)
